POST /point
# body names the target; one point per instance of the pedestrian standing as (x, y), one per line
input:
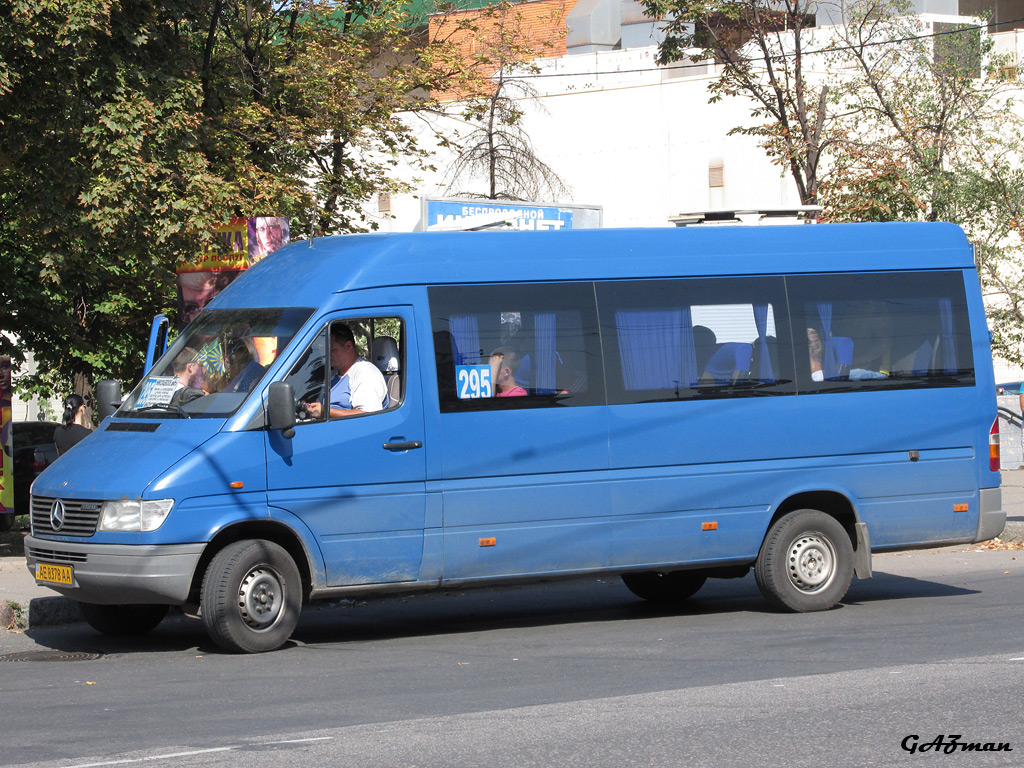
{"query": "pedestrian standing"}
(74, 428)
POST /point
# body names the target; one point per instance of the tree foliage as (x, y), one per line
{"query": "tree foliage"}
(926, 129)
(129, 128)
(910, 122)
(914, 109)
(497, 152)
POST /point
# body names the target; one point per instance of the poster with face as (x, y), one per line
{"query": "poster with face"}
(266, 235)
(197, 289)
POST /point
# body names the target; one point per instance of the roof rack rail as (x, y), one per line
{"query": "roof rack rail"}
(804, 214)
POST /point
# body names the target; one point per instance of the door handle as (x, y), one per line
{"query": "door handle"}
(405, 446)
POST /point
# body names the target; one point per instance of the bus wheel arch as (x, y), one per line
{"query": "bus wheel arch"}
(810, 551)
(267, 531)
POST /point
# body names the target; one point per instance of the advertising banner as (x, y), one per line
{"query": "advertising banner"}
(458, 214)
(234, 248)
(6, 439)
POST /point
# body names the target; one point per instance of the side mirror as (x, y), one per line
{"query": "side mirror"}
(108, 398)
(281, 408)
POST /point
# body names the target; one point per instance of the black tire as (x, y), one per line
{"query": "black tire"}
(123, 620)
(251, 597)
(6, 521)
(671, 587)
(805, 563)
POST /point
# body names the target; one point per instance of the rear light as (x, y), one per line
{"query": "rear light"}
(993, 446)
(38, 461)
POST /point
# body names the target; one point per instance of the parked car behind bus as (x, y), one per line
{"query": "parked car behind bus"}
(34, 451)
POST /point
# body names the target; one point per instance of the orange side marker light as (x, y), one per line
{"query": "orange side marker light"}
(488, 542)
(709, 526)
(236, 484)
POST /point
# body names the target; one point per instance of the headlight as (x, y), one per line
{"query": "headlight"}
(134, 515)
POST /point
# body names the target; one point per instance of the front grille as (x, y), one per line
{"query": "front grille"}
(80, 517)
(56, 556)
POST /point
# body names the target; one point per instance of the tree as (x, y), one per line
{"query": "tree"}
(100, 176)
(927, 129)
(128, 129)
(497, 151)
(997, 228)
(762, 50)
(914, 108)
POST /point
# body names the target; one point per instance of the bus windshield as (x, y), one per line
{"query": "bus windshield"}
(215, 363)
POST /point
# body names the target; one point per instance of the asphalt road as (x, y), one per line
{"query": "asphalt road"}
(575, 674)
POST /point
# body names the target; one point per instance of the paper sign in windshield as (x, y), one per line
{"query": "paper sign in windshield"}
(158, 390)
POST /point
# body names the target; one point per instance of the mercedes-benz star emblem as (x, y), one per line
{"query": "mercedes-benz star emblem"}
(57, 513)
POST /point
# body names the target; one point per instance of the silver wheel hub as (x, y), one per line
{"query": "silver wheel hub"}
(260, 598)
(812, 562)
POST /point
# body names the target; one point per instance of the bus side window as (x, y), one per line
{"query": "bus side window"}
(516, 346)
(376, 341)
(883, 330)
(679, 339)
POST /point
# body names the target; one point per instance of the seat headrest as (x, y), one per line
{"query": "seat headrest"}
(384, 354)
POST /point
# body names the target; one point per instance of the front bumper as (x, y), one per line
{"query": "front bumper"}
(118, 574)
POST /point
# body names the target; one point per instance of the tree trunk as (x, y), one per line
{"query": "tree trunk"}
(82, 385)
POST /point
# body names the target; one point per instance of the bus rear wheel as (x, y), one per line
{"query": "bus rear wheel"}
(251, 597)
(123, 620)
(665, 587)
(805, 563)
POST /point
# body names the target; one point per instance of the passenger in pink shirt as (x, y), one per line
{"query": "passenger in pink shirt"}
(504, 364)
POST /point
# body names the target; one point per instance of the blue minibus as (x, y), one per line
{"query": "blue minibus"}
(371, 414)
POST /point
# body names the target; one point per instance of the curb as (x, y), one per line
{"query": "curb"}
(50, 611)
(1013, 531)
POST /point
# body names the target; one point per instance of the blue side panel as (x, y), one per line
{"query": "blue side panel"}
(363, 530)
(537, 472)
(673, 460)
(522, 442)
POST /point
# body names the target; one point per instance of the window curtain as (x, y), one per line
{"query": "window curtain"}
(465, 339)
(764, 372)
(949, 362)
(656, 349)
(544, 351)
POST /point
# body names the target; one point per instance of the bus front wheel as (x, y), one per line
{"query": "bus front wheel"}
(669, 587)
(805, 563)
(251, 597)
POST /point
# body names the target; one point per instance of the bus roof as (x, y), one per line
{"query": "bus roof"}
(304, 274)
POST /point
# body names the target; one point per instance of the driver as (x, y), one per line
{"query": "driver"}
(357, 386)
(186, 368)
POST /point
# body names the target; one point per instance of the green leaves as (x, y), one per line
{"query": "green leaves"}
(128, 129)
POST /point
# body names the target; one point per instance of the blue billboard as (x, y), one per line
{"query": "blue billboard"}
(479, 214)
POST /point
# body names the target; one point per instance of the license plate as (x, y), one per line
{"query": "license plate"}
(54, 574)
